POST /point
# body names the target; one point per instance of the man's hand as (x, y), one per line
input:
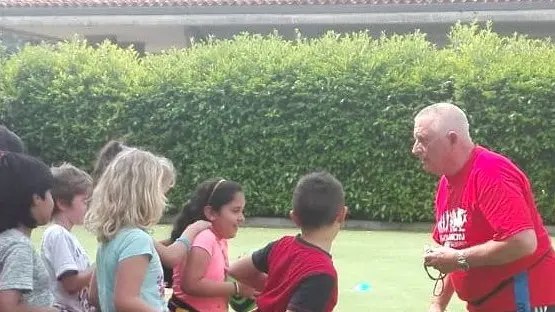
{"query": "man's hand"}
(443, 259)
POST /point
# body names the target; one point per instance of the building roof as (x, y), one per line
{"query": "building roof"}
(189, 3)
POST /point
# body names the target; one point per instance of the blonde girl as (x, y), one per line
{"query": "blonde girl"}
(177, 250)
(128, 199)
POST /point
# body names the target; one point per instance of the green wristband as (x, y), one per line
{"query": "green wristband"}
(185, 241)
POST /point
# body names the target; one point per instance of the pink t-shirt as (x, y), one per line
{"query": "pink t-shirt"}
(217, 249)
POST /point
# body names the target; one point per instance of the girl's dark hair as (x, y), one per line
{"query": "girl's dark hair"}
(108, 152)
(11, 142)
(213, 192)
(21, 177)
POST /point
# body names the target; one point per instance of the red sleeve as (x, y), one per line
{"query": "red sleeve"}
(260, 258)
(503, 203)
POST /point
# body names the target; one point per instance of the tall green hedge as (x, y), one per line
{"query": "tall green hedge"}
(263, 110)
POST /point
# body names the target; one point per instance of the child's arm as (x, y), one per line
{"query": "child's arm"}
(16, 277)
(244, 271)
(252, 270)
(165, 242)
(176, 253)
(194, 269)
(127, 287)
(93, 293)
(134, 253)
(10, 301)
(74, 281)
(59, 255)
(193, 281)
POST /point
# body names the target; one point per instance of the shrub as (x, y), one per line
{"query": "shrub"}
(263, 110)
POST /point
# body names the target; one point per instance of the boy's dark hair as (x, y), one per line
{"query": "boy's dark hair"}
(21, 177)
(108, 152)
(213, 192)
(317, 200)
(10, 142)
(69, 181)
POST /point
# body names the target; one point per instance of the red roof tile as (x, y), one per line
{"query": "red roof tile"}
(185, 3)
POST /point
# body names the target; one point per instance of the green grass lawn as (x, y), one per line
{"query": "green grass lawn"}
(391, 262)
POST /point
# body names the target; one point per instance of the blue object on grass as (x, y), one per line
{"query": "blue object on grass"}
(362, 287)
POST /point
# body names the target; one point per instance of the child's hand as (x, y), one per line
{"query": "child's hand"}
(193, 229)
(247, 291)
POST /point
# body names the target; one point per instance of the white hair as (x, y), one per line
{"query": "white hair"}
(447, 117)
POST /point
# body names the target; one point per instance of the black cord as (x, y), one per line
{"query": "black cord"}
(440, 278)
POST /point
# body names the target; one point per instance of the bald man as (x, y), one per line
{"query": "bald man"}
(494, 248)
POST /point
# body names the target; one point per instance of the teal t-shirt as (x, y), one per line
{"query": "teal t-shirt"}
(127, 243)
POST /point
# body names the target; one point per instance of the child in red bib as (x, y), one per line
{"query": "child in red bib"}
(296, 273)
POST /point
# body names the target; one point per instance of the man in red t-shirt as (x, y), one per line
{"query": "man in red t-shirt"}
(296, 273)
(495, 251)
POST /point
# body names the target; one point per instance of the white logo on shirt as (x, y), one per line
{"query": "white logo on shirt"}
(451, 227)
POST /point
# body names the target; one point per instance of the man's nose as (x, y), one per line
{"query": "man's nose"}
(416, 150)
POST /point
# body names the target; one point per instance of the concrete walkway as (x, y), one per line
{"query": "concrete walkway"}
(281, 223)
(350, 225)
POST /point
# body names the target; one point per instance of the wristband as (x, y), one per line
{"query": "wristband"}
(185, 241)
(236, 288)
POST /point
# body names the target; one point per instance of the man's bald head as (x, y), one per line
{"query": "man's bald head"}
(447, 117)
(442, 138)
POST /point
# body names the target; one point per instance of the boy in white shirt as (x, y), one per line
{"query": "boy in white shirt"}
(65, 259)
